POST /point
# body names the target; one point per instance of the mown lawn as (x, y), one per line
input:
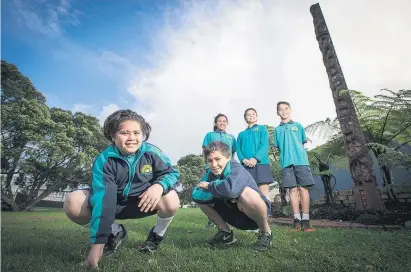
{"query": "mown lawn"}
(48, 241)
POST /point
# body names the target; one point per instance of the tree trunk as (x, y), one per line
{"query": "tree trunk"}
(360, 162)
(329, 196)
(283, 194)
(29, 205)
(14, 207)
(388, 184)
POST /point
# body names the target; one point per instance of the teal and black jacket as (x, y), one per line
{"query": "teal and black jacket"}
(229, 185)
(116, 177)
(254, 143)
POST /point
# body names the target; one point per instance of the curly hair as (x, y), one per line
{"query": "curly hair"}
(217, 146)
(114, 120)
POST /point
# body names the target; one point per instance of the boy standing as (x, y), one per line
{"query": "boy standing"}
(289, 138)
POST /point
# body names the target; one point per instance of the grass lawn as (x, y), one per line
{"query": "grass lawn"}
(48, 241)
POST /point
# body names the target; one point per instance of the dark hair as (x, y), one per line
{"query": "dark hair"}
(248, 110)
(114, 120)
(217, 146)
(283, 103)
(216, 118)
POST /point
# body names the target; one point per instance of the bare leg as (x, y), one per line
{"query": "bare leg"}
(305, 200)
(264, 188)
(168, 205)
(295, 203)
(254, 207)
(215, 217)
(76, 207)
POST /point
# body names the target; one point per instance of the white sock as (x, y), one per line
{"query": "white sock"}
(115, 228)
(297, 216)
(306, 216)
(162, 225)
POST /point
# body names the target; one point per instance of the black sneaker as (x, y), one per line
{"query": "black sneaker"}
(306, 226)
(152, 243)
(296, 226)
(264, 241)
(222, 238)
(114, 242)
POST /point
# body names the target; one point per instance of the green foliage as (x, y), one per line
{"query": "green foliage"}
(385, 120)
(192, 169)
(391, 157)
(45, 148)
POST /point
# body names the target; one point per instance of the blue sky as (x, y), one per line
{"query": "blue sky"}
(181, 62)
(81, 52)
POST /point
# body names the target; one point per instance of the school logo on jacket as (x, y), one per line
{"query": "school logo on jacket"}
(294, 129)
(146, 169)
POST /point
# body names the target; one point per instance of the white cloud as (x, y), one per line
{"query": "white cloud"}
(81, 108)
(45, 17)
(239, 54)
(106, 111)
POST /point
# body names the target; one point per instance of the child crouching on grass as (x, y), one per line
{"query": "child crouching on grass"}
(228, 194)
(130, 179)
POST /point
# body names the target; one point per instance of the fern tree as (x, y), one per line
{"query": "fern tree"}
(386, 122)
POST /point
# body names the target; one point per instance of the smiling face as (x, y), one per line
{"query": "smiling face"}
(129, 137)
(284, 111)
(221, 123)
(217, 162)
(251, 117)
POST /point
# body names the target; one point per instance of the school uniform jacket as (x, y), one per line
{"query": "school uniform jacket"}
(116, 177)
(253, 143)
(221, 136)
(229, 185)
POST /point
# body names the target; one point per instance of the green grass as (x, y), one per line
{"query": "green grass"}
(48, 241)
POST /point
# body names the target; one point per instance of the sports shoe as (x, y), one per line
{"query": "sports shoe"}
(152, 243)
(306, 226)
(222, 238)
(114, 242)
(296, 226)
(264, 241)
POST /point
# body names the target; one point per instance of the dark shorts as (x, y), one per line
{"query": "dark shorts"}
(127, 209)
(233, 216)
(261, 173)
(297, 176)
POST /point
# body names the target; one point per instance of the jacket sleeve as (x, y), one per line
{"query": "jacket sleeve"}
(205, 141)
(303, 135)
(229, 187)
(238, 149)
(103, 201)
(164, 173)
(234, 146)
(264, 145)
(275, 139)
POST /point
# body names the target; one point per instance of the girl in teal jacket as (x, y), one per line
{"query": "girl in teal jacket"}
(252, 151)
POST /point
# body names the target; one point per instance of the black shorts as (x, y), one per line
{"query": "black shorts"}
(127, 209)
(233, 216)
(261, 173)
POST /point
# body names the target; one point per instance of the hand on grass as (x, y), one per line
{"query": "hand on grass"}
(94, 255)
